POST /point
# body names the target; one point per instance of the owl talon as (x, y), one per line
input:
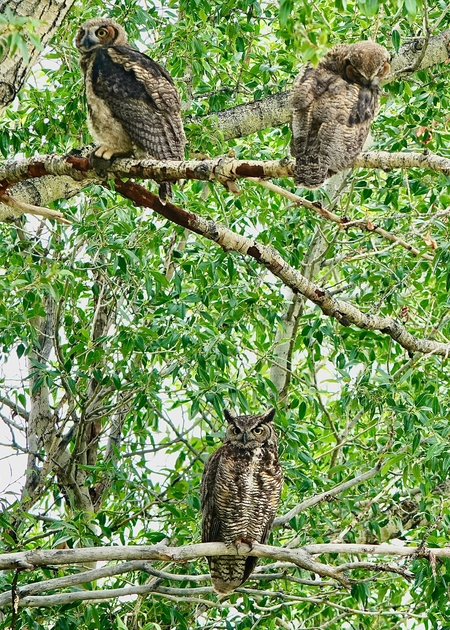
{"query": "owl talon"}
(243, 542)
(104, 152)
(99, 164)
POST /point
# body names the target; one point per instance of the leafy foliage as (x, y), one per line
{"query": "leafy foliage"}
(157, 330)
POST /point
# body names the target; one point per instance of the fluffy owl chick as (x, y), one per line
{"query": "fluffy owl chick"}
(332, 107)
(133, 104)
(241, 487)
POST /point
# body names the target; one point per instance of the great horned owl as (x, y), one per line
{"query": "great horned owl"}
(241, 489)
(332, 108)
(133, 104)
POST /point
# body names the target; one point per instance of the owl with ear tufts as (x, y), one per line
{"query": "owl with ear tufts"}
(133, 104)
(241, 489)
(332, 107)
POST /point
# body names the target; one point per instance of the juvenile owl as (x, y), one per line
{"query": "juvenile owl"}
(332, 108)
(133, 104)
(241, 489)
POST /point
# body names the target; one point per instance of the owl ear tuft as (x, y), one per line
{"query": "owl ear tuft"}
(229, 417)
(269, 416)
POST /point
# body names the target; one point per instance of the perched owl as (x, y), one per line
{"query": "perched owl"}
(241, 489)
(133, 104)
(332, 108)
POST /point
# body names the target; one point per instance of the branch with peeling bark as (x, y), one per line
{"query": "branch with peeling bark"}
(221, 168)
(80, 169)
(346, 314)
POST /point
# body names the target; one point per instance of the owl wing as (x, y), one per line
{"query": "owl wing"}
(142, 96)
(210, 517)
(351, 110)
(330, 133)
(307, 99)
(365, 107)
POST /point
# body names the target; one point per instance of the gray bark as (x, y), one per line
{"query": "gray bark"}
(14, 69)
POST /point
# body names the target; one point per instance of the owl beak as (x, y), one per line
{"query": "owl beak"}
(244, 438)
(87, 43)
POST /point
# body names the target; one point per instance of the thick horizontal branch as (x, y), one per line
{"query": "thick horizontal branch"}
(346, 313)
(137, 556)
(40, 558)
(384, 549)
(79, 168)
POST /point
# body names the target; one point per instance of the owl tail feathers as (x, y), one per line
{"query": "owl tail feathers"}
(230, 572)
(310, 171)
(165, 190)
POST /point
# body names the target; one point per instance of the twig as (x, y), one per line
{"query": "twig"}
(325, 496)
(27, 208)
(331, 216)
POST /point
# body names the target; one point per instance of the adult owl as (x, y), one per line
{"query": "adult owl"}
(133, 104)
(241, 489)
(332, 107)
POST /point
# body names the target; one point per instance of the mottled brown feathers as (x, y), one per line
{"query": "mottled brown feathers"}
(241, 489)
(133, 104)
(332, 107)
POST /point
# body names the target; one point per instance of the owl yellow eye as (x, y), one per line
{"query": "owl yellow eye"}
(102, 32)
(258, 430)
(235, 431)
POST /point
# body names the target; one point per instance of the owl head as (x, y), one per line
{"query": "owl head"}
(367, 63)
(364, 63)
(98, 33)
(251, 431)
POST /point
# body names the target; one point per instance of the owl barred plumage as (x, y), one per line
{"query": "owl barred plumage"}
(241, 488)
(133, 104)
(332, 108)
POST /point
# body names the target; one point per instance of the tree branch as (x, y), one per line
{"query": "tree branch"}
(79, 168)
(136, 557)
(344, 312)
(325, 496)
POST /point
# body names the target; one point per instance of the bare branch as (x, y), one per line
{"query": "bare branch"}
(16, 408)
(335, 218)
(346, 313)
(325, 496)
(20, 207)
(79, 168)
(138, 555)
(77, 578)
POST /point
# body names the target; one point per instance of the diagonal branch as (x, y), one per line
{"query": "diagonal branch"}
(346, 313)
(341, 221)
(325, 496)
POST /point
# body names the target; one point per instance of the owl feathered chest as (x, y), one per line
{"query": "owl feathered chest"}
(246, 480)
(104, 126)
